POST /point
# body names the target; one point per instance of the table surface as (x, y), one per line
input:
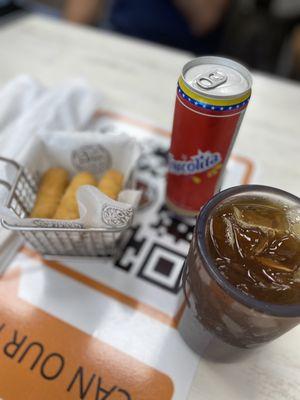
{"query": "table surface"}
(140, 79)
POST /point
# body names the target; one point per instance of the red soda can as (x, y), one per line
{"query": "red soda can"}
(212, 96)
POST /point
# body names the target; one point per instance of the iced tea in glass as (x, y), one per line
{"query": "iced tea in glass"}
(242, 273)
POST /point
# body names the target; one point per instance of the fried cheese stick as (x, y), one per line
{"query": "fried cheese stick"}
(111, 183)
(51, 189)
(67, 208)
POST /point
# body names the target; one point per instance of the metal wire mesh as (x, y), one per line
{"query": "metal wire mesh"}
(56, 241)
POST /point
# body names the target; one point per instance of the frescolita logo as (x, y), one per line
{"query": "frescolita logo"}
(195, 164)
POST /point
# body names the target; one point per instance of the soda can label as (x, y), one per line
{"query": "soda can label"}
(204, 129)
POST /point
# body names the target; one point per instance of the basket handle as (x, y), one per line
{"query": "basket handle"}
(4, 183)
(9, 161)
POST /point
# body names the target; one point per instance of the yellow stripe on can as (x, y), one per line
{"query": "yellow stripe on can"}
(209, 100)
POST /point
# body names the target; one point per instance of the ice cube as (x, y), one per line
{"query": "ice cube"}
(246, 239)
(274, 264)
(262, 244)
(229, 234)
(219, 232)
(252, 238)
(264, 217)
(295, 229)
(293, 216)
(297, 275)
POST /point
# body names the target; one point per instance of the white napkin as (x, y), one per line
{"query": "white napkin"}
(28, 108)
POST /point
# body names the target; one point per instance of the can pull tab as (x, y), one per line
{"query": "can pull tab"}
(211, 80)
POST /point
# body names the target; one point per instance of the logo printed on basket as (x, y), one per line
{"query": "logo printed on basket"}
(202, 161)
(56, 224)
(116, 216)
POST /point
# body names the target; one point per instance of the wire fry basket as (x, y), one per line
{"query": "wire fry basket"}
(50, 241)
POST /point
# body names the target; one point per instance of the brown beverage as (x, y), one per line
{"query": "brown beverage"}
(255, 245)
(241, 276)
